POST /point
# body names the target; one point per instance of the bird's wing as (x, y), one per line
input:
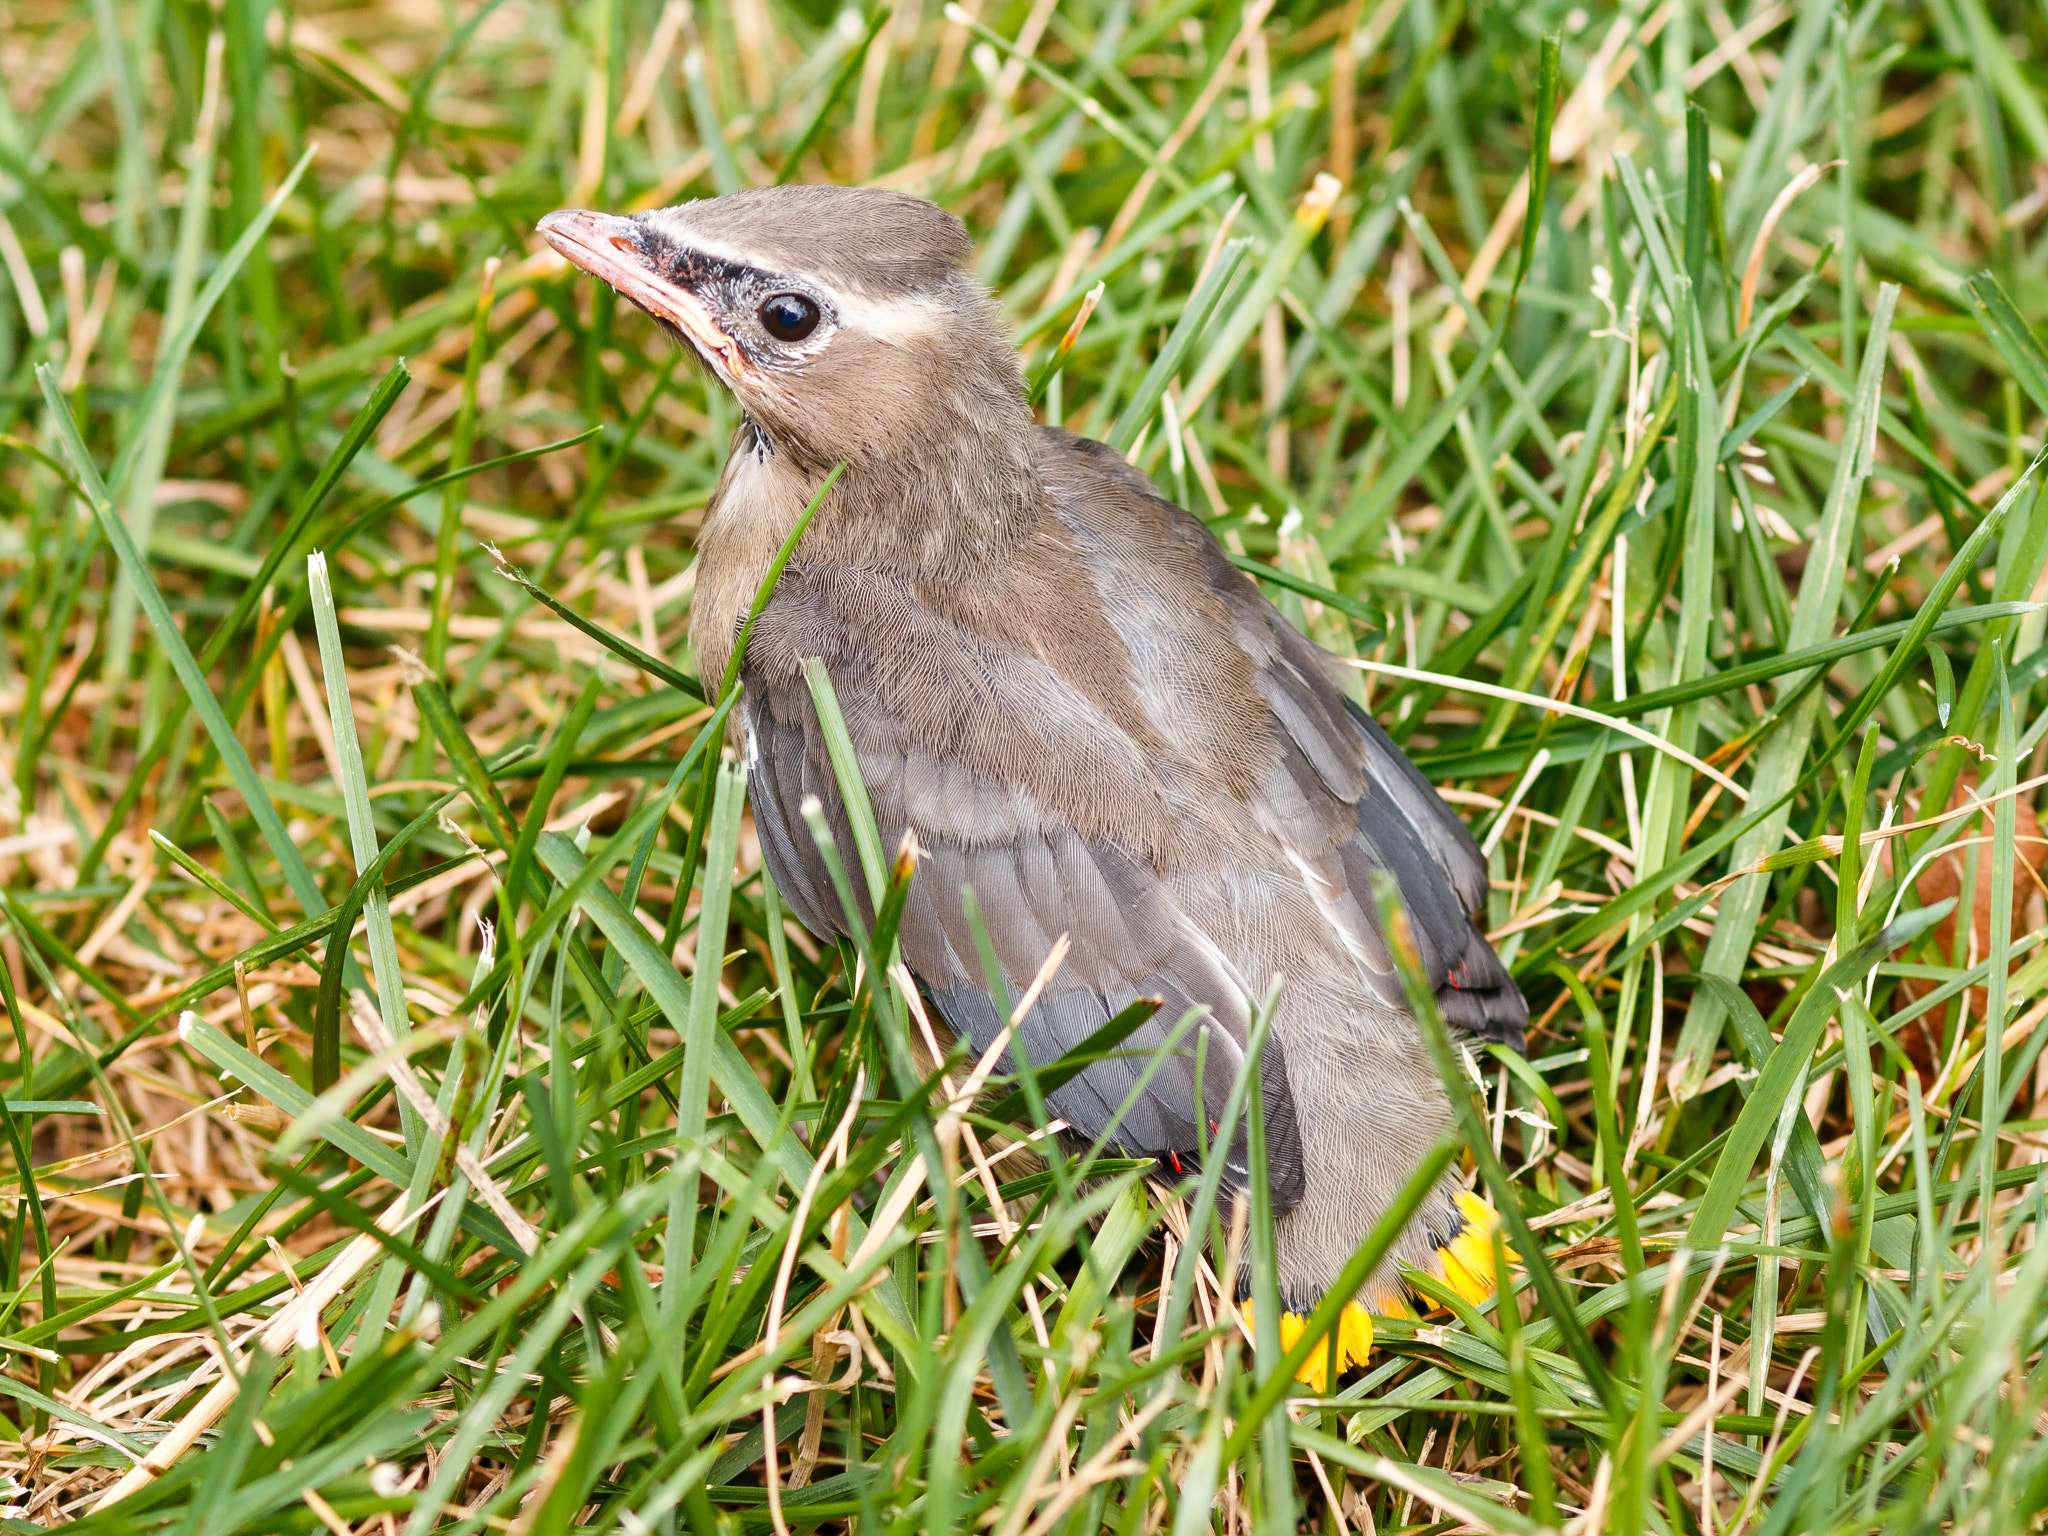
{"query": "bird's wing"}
(1339, 766)
(1342, 798)
(1409, 829)
(1033, 876)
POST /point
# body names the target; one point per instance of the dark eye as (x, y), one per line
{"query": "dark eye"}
(789, 317)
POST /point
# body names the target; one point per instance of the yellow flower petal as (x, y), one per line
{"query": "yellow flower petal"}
(1291, 1325)
(1469, 1274)
(1467, 1267)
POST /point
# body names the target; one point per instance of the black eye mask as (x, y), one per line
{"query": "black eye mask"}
(732, 290)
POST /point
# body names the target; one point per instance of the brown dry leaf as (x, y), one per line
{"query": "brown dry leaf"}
(1942, 880)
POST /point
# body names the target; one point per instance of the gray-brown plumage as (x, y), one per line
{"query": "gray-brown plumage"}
(1081, 709)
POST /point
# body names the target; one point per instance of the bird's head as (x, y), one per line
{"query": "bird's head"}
(842, 319)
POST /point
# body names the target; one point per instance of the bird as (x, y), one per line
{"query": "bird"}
(1055, 681)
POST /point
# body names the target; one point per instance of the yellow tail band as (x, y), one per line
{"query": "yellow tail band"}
(1468, 1261)
(1353, 1335)
(1468, 1269)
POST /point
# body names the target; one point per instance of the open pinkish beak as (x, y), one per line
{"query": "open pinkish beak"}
(605, 246)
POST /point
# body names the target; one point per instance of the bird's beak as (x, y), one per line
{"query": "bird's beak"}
(609, 247)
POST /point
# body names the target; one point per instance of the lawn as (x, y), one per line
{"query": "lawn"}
(421, 1113)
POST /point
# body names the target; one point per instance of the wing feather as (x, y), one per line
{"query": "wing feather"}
(1397, 823)
(1065, 820)
(1343, 799)
(1129, 940)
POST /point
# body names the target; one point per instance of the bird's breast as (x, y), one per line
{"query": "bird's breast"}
(759, 499)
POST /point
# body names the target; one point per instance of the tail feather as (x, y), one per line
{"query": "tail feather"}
(1468, 1257)
(1352, 1335)
(1467, 1261)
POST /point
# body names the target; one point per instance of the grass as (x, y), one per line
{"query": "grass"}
(422, 1116)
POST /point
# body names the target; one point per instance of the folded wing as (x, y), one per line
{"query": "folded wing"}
(1032, 879)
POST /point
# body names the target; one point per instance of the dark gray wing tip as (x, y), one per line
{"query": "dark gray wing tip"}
(1480, 997)
(1475, 992)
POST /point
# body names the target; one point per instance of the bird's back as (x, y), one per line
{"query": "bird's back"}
(1225, 676)
(1116, 737)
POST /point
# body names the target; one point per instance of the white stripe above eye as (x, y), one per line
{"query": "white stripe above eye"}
(679, 231)
(889, 320)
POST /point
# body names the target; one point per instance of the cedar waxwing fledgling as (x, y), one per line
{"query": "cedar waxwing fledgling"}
(1058, 682)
